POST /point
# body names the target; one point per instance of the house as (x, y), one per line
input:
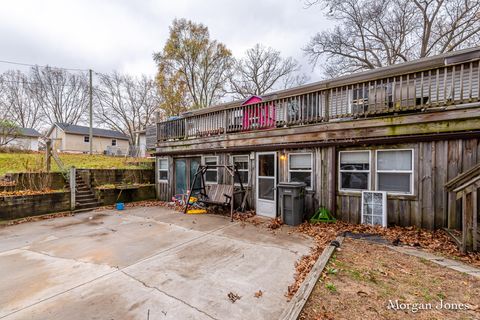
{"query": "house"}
(405, 129)
(75, 139)
(24, 138)
(145, 141)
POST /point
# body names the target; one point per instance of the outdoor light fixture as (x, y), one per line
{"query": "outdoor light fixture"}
(283, 156)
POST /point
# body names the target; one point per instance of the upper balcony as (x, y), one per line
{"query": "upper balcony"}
(417, 86)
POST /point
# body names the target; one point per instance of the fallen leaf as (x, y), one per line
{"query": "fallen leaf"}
(233, 297)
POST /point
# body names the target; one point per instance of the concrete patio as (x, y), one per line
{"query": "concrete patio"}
(145, 263)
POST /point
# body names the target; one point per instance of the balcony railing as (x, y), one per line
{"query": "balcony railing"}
(419, 90)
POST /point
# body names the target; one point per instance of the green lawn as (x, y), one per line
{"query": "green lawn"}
(21, 162)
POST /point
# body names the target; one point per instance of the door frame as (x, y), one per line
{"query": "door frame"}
(257, 199)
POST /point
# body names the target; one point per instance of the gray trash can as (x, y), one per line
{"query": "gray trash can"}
(292, 202)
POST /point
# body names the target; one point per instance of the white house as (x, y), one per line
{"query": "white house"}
(25, 139)
(145, 141)
(75, 139)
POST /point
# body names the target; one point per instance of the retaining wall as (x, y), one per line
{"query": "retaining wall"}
(14, 207)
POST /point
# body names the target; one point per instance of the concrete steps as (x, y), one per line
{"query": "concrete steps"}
(84, 197)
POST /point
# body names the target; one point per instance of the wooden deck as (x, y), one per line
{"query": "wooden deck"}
(380, 98)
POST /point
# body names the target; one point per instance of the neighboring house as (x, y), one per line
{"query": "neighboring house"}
(404, 129)
(25, 138)
(145, 142)
(75, 139)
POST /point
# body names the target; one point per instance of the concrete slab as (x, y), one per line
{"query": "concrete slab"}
(448, 263)
(29, 278)
(145, 262)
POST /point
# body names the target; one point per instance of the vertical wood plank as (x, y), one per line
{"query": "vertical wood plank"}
(427, 203)
(440, 176)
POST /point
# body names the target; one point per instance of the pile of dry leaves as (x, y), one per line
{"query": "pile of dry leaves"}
(437, 241)
(248, 216)
(4, 183)
(38, 218)
(25, 192)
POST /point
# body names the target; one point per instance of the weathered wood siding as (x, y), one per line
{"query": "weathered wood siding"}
(151, 137)
(435, 163)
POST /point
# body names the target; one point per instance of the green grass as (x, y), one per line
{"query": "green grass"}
(21, 162)
(331, 287)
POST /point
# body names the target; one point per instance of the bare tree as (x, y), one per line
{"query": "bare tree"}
(125, 103)
(263, 70)
(63, 96)
(18, 98)
(376, 33)
(9, 131)
(202, 63)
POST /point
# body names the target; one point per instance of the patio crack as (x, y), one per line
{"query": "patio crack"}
(168, 295)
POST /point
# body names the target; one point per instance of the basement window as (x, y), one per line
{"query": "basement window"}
(354, 170)
(162, 169)
(300, 168)
(395, 171)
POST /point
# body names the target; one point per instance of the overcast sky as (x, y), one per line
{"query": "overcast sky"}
(122, 35)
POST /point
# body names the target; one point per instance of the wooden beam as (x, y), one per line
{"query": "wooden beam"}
(467, 223)
(300, 298)
(474, 220)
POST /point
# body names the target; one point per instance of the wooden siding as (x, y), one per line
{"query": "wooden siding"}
(151, 137)
(435, 163)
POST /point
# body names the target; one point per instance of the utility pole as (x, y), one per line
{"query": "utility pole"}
(90, 112)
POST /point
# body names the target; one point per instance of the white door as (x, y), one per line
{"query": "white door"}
(266, 168)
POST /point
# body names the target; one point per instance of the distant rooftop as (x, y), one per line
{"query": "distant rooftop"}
(29, 132)
(97, 132)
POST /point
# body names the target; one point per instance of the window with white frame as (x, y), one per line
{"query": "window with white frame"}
(211, 174)
(114, 142)
(395, 171)
(86, 139)
(162, 169)
(354, 170)
(241, 161)
(300, 168)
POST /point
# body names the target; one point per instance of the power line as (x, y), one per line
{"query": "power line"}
(121, 95)
(36, 65)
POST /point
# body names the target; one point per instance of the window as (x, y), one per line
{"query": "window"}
(86, 139)
(395, 171)
(354, 170)
(242, 166)
(114, 142)
(162, 169)
(211, 175)
(300, 168)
